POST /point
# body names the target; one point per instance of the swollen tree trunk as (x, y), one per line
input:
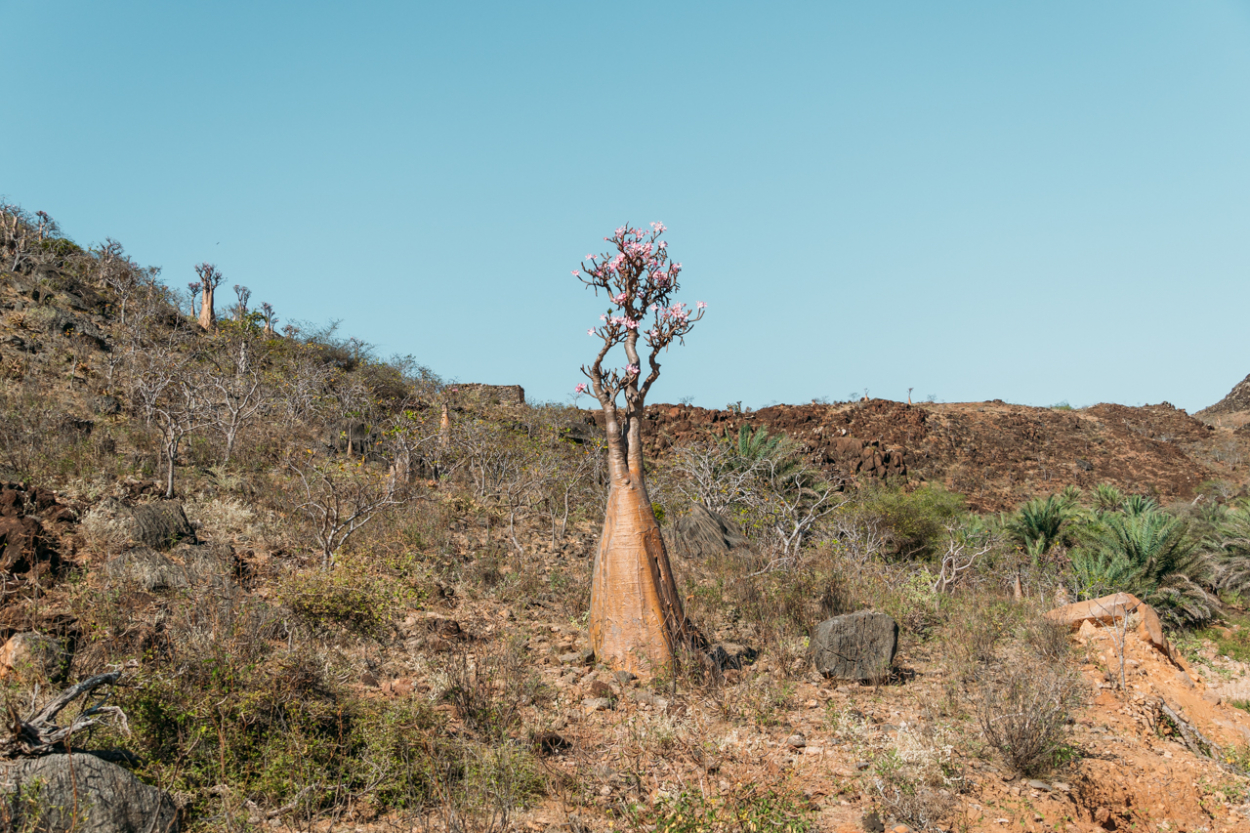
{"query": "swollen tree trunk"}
(636, 616)
(208, 318)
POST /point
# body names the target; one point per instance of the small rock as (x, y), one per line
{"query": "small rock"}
(796, 741)
(1039, 785)
(1062, 787)
(901, 828)
(31, 657)
(571, 658)
(600, 689)
(872, 823)
(597, 704)
(863, 765)
(549, 743)
(729, 655)
(624, 677)
(642, 695)
(368, 679)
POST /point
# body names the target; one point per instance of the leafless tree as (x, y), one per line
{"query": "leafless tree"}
(240, 309)
(716, 475)
(790, 501)
(961, 553)
(341, 496)
(22, 234)
(237, 387)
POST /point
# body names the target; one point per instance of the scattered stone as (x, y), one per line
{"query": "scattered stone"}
(598, 688)
(796, 741)
(597, 704)
(625, 677)
(642, 695)
(583, 657)
(31, 657)
(858, 646)
(1039, 785)
(81, 792)
(862, 765)
(900, 828)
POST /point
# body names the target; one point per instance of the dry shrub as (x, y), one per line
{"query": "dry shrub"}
(1023, 707)
(490, 687)
(916, 780)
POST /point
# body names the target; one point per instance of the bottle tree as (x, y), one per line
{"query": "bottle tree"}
(636, 616)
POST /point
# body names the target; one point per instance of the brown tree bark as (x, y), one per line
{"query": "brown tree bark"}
(636, 616)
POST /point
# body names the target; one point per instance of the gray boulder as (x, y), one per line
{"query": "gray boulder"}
(196, 566)
(157, 525)
(83, 794)
(857, 646)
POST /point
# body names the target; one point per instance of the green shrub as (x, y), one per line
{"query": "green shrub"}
(362, 602)
(914, 521)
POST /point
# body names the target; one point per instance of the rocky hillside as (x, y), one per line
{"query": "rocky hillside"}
(431, 671)
(997, 454)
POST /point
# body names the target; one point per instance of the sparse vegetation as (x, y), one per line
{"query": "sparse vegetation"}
(392, 627)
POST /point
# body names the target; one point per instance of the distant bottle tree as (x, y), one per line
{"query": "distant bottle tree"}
(210, 279)
(636, 616)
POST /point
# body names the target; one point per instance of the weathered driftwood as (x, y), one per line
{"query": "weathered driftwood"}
(40, 734)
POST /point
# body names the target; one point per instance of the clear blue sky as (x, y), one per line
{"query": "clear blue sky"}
(1029, 201)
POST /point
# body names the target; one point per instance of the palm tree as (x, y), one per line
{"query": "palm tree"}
(1152, 556)
(1039, 524)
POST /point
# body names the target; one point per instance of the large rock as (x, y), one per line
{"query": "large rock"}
(31, 657)
(187, 566)
(857, 646)
(157, 525)
(83, 794)
(26, 548)
(1110, 610)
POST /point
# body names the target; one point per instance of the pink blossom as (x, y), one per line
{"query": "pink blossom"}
(576, 273)
(631, 370)
(581, 388)
(701, 305)
(622, 298)
(591, 331)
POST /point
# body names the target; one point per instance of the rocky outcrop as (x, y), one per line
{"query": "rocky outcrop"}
(1113, 609)
(491, 394)
(83, 794)
(998, 455)
(858, 646)
(27, 546)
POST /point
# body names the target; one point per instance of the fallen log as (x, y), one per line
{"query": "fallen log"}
(40, 734)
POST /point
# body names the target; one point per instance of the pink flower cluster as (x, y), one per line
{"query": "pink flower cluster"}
(581, 387)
